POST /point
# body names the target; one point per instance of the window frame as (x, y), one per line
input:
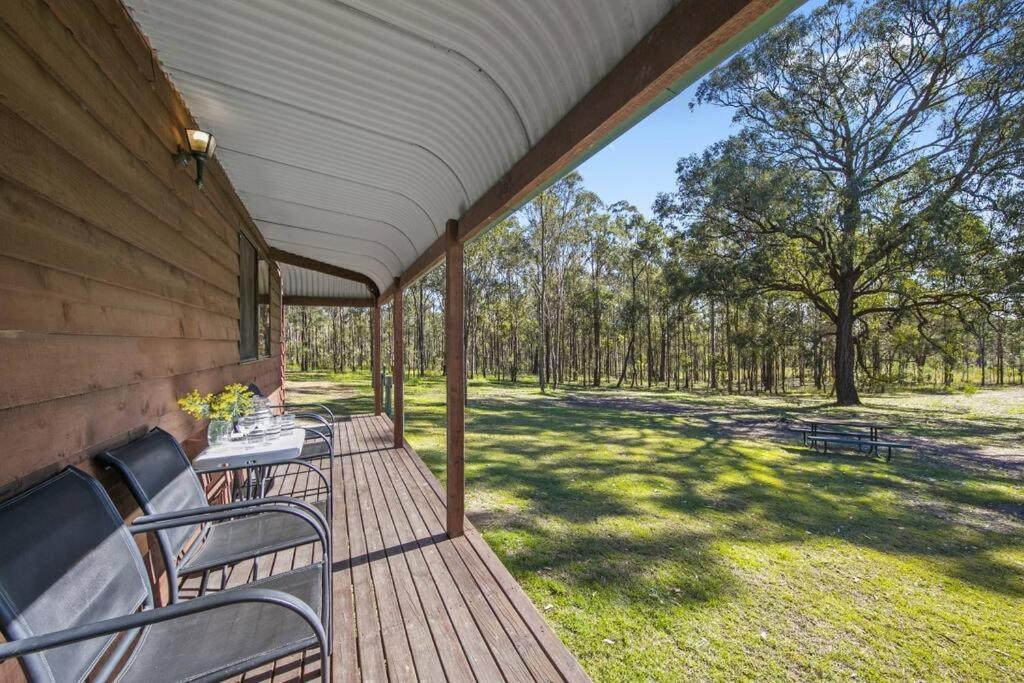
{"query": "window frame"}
(248, 325)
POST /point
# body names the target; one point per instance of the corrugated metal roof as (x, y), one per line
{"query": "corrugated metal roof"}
(302, 282)
(353, 130)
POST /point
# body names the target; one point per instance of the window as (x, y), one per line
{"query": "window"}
(263, 307)
(247, 286)
(254, 302)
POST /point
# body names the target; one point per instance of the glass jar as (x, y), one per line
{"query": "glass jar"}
(218, 432)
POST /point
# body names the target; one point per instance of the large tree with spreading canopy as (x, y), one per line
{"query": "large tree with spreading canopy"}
(869, 135)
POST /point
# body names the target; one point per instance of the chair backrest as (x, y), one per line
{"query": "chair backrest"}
(66, 559)
(161, 478)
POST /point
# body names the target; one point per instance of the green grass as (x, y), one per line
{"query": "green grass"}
(669, 536)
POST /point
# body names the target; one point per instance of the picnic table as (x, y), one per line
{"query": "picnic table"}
(822, 434)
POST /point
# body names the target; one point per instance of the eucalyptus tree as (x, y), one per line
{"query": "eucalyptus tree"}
(604, 242)
(860, 125)
(550, 218)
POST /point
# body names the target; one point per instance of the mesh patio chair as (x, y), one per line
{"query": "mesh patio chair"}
(319, 418)
(72, 580)
(163, 482)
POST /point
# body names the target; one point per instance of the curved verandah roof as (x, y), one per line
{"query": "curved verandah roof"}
(353, 131)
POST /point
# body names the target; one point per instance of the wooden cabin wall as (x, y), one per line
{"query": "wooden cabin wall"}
(118, 275)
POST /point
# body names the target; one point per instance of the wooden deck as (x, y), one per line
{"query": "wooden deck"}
(409, 603)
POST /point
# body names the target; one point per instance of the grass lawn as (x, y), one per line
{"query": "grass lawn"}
(673, 536)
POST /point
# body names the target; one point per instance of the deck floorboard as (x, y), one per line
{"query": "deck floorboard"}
(410, 604)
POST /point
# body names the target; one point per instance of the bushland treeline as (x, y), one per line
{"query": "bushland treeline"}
(861, 229)
(619, 310)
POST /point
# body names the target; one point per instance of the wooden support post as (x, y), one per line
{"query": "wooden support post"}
(378, 403)
(398, 373)
(283, 357)
(455, 364)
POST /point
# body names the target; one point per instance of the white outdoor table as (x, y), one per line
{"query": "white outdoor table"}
(287, 446)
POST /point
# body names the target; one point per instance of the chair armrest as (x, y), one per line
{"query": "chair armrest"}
(315, 434)
(321, 406)
(315, 470)
(146, 526)
(269, 503)
(318, 418)
(46, 641)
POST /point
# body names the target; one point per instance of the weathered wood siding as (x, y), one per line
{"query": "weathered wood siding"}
(118, 276)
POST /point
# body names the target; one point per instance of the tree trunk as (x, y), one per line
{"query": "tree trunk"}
(713, 356)
(846, 386)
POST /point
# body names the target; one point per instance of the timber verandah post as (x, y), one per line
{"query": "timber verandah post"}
(375, 358)
(455, 366)
(398, 371)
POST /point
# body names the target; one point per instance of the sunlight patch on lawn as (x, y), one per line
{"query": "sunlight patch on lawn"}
(675, 546)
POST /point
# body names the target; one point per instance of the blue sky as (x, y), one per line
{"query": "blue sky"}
(642, 162)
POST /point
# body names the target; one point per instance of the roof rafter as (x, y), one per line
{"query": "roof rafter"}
(338, 301)
(325, 268)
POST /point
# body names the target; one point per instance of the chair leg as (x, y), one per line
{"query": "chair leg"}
(325, 664)
(203, 582)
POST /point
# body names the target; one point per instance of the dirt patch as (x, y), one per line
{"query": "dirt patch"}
(319, 388)
(643, 405)
(747, 422)
(501, 518)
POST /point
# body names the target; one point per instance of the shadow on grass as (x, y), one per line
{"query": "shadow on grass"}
(688, 462)
(958, 521)
(320, 387)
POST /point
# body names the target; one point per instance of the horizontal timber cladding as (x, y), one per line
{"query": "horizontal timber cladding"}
(118, 275)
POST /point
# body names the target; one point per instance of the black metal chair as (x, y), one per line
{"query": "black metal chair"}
(72, 580)
(160, 477)
(321, 422)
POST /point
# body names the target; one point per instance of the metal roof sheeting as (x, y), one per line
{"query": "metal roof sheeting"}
(353, 130)
(301, 282)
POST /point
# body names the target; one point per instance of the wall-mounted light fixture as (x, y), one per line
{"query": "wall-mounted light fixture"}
(200, 147)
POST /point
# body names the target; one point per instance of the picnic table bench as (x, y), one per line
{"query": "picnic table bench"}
(839, 433)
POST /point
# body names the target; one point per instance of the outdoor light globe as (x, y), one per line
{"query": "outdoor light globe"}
(200, 142)
(200, 147)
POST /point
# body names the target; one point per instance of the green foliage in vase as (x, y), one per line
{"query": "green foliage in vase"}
(230, 404)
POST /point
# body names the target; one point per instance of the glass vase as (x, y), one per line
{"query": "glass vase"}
(218, 431)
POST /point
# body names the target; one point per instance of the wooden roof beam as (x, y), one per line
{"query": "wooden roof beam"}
(689, 41)
(325, 268)
(336, 301)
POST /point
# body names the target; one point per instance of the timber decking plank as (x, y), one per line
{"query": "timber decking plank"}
(372, 661)
(533, 657)
(480, 634)
(418, 587)
(483, 558)
(542, 632)
(459, 644)
(499, 637)
(409, 603)
(517, 664)
(401, 666)
(420, 631)
(417, 626)
(304, 665)
(529, 659)
(345, 660)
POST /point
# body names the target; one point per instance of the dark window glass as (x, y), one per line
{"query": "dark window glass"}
(247, 285)
(263, 290)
